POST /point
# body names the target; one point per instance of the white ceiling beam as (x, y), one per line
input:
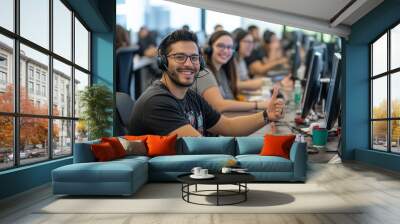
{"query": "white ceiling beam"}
(348, 12)
(268, 15)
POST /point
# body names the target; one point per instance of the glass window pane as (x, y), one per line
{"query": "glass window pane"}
(35, 21)
(81, 131)
(395, 95)
(33, 139)
(62, 141)
(62, 29)
(229, 22)
(379, 135)
(7, 14)
(395, 47)
(6, 142)
(379, 98)
(34, 96)
(379, 55)
(62, 89)
(6, 74)
(81, 45)
(81, 81)
(395, 136)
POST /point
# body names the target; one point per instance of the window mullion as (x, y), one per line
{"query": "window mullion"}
(50, 81)
(73, 82)
(16, 84)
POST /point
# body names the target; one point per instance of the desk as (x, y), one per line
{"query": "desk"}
(323, 154)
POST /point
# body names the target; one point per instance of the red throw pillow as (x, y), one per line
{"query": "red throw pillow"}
(116, 145)
(277, 145)
(103, 152)
(161, 145)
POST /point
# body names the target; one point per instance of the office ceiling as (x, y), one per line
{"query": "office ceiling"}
(328, 16)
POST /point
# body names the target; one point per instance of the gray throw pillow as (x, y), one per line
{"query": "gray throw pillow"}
(137, 147)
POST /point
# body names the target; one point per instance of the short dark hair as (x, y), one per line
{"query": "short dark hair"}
(267, 36)
(177, 35)
(252, 27)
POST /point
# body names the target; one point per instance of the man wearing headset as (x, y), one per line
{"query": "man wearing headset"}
(170, 107)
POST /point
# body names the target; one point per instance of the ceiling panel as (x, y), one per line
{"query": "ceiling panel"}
(320, 9)
(312, 15)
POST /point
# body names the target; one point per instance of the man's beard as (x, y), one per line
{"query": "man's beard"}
(174, 78)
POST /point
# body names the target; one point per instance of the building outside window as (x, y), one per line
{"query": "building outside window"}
(57, 135)
(30, 87)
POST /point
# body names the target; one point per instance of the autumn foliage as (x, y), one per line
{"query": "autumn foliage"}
(33, 131)
(380, 128)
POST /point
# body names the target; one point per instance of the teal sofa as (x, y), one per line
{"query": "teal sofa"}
(125, 176)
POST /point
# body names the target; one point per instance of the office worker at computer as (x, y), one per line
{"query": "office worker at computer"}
(146, 42)
(169, 106)
(244, 43)
(255, 32)
(217, 84)
(266, 57)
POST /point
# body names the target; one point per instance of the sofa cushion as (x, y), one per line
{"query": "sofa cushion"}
(249, 145)
(257, 163)
(185, 163)
(206, 145)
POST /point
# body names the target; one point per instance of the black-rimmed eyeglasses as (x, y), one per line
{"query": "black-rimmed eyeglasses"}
(181, 58)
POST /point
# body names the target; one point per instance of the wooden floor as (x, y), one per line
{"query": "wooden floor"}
(377, 188)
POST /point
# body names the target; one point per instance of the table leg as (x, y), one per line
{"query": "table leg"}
(217, 194)
(245, 191)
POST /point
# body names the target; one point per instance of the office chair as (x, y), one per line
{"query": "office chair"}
(125, 105)
(124, 68)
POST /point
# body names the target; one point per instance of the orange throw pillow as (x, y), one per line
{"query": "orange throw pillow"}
(135, 138)
(116, 145)
(103, 152)
(161, 145)
(277, 145)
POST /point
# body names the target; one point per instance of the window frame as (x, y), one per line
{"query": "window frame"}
(16, 115)
(388, 74)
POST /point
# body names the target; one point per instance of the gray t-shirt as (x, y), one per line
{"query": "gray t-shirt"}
(243, 72)
(207, 79)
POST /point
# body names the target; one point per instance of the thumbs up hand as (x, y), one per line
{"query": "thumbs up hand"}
(275, 106)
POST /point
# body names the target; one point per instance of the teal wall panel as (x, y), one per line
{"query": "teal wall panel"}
(356, 86)
(24, 178)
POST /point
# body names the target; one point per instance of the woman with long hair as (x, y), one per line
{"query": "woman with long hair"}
(244, 46)
(217, 85)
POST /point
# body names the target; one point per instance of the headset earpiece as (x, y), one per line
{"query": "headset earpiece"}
(162, 62)
(208, 50)
(202, 63)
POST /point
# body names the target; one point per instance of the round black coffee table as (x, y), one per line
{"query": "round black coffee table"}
(238, 179)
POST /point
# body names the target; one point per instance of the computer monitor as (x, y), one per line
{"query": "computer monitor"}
(313, 84)
(295, 60)
(329, 51)
(315, 48)
(332, 106)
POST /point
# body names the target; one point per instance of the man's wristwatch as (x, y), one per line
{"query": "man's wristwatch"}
(265, 115)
